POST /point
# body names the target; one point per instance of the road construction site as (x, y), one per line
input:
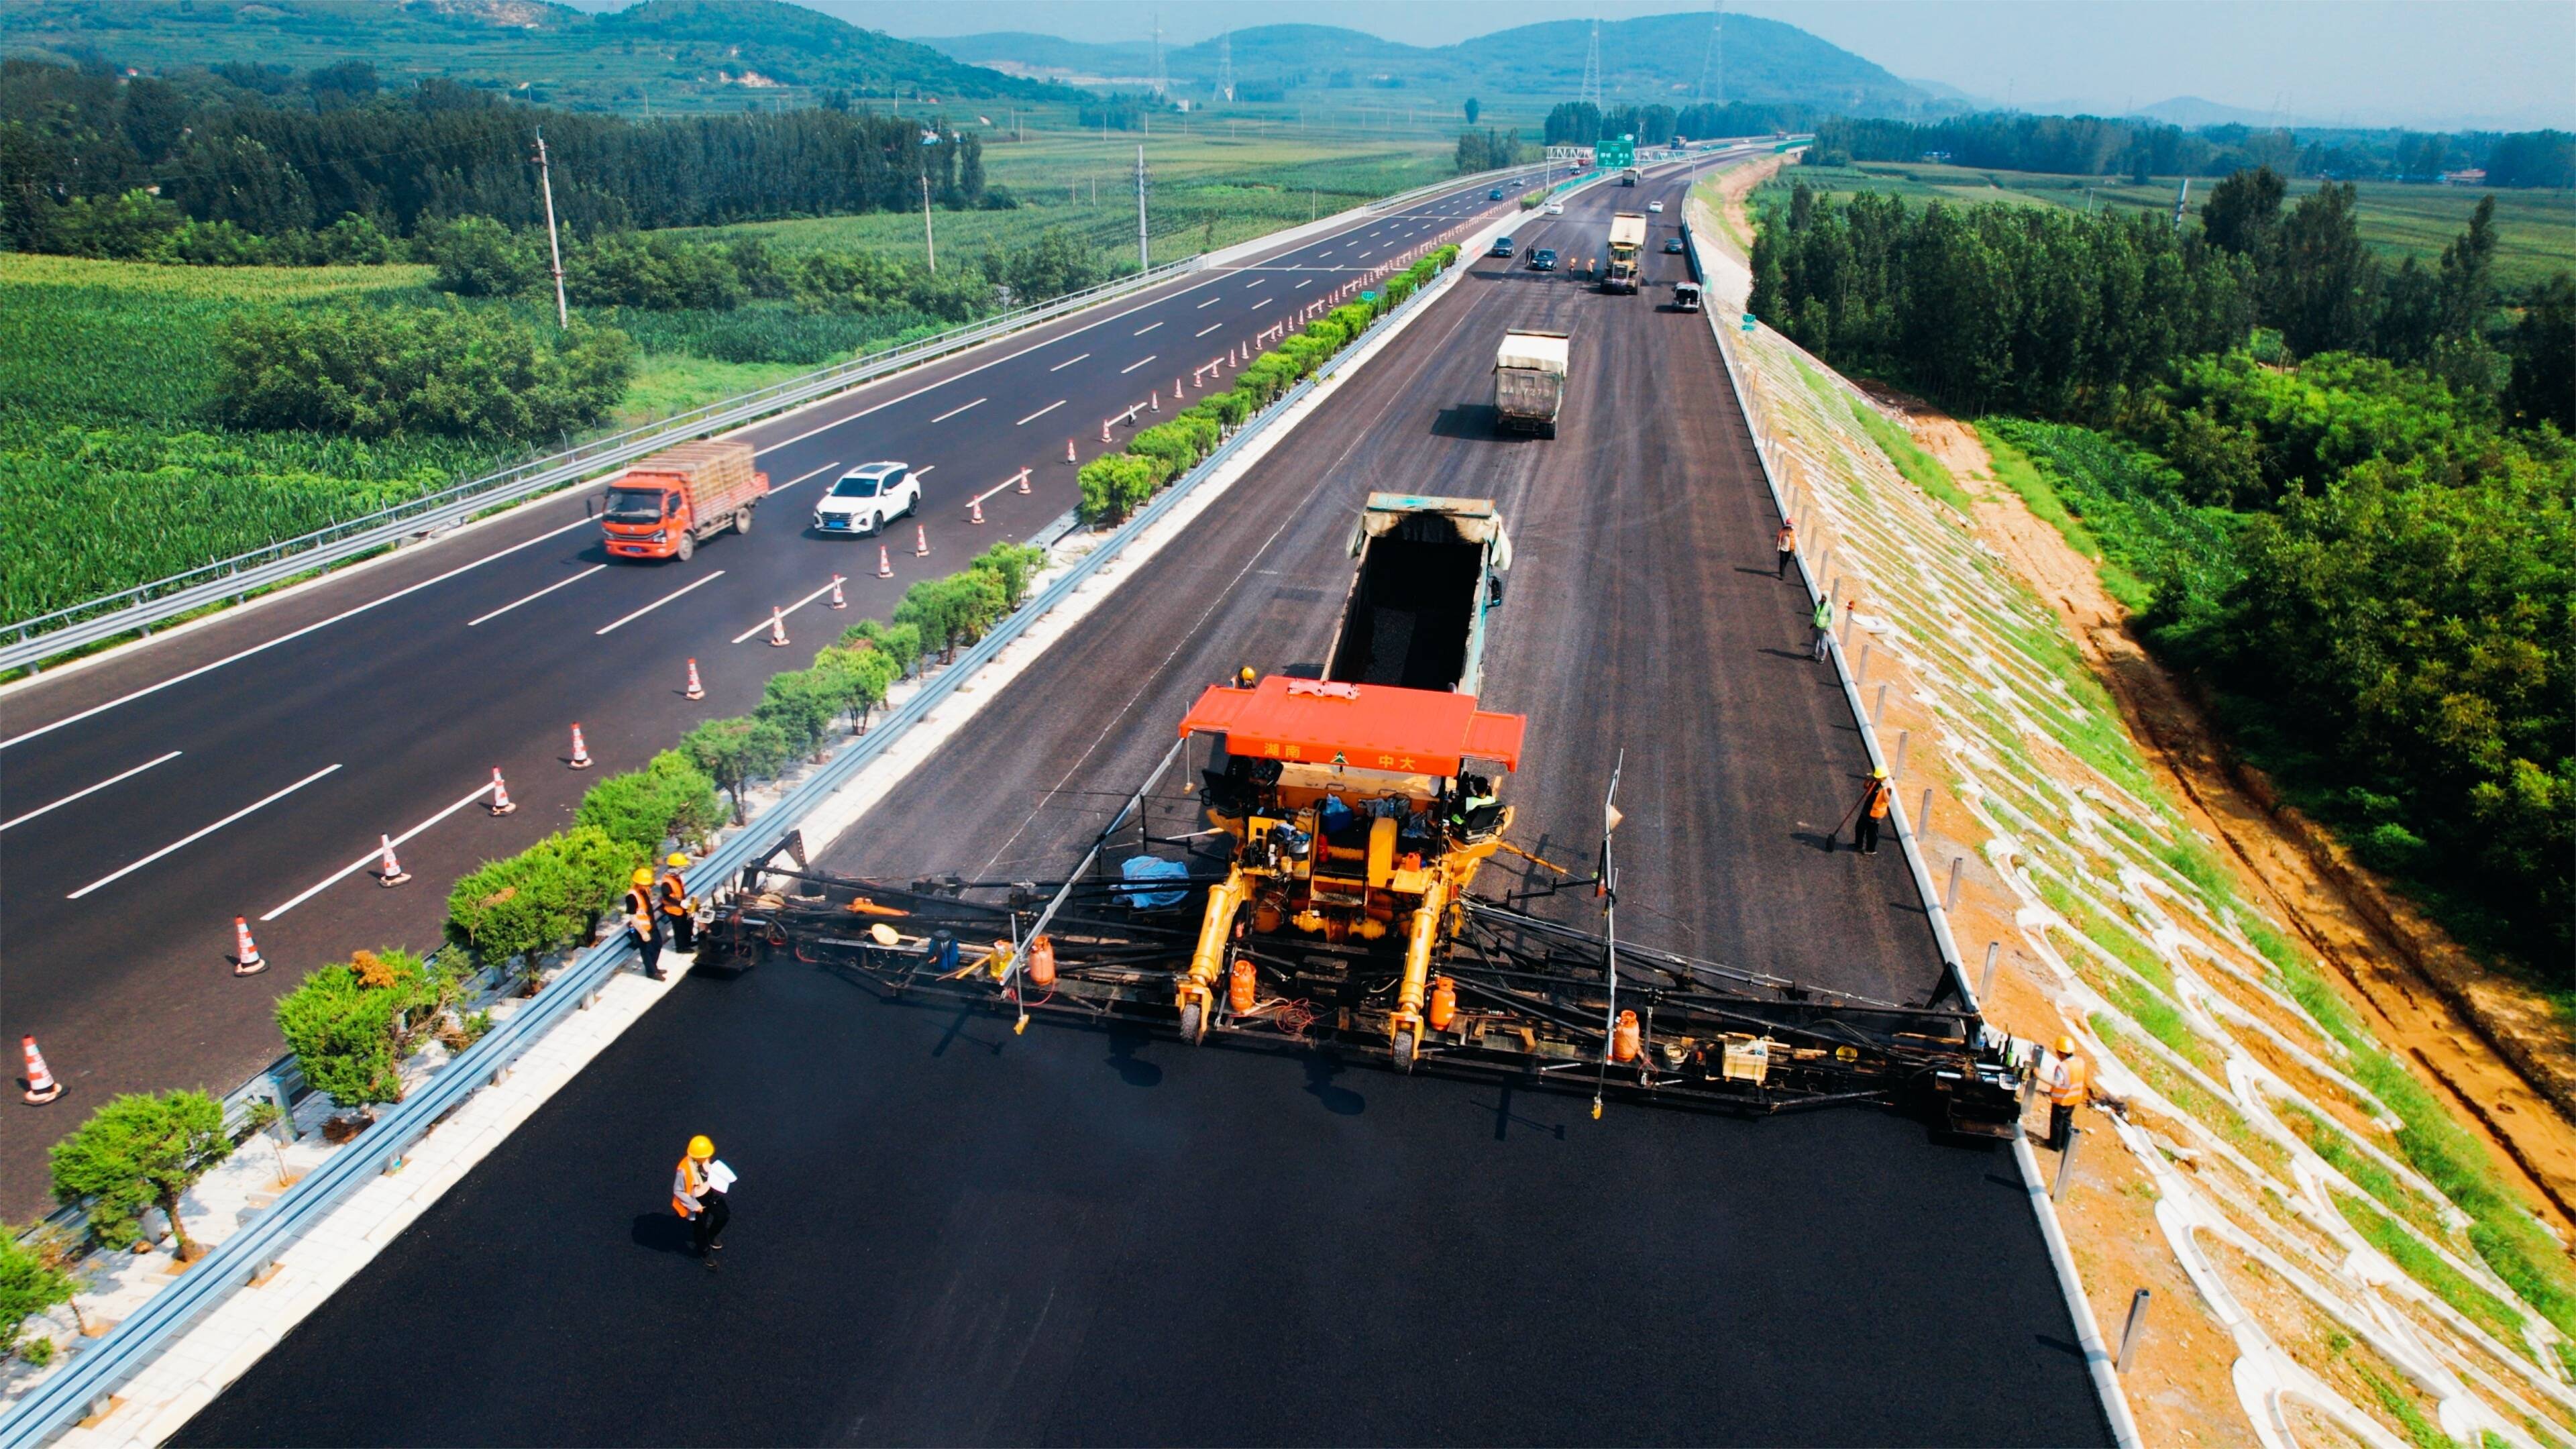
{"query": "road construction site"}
(247, 765)
(948, 1231)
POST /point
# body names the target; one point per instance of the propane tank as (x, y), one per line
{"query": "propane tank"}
(1623, 1038)
(1444, 1002)
(1239, 986)
(1001, 962)
(1041, 963)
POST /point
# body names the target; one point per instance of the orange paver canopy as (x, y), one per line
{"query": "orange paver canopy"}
(1365, 726)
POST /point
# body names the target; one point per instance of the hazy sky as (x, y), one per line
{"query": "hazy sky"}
(2410, 62)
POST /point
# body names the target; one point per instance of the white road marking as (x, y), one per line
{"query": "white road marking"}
(952, 412)
(201, 834)
(1210, 302)
(1326, 252)
(657, 603)
(20, 739)
(1371, 249)
(1255, 282)
(783, 613)
(1131, 367)
(370, 858)
(1141, 331)
(539, 594)
(1260, 303)
(92, 790)
(1042, 412)
(808, 473)
(1306, 283)
(1211, 327)
(1068, 362)
(923, 470)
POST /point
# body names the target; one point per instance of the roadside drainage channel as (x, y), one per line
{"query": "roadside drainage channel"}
(408, 522)
(2088, 1332)
(85, 1386)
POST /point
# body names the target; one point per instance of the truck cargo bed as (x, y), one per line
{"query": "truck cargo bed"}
(1411, 610)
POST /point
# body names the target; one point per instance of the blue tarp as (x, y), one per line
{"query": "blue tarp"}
(1152, 867)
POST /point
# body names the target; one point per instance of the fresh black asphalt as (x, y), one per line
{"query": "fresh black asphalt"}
(949, 1234)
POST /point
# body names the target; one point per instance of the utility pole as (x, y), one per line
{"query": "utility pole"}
(929, 242)
(2182, 202)
(554, 243)
(1144, 250)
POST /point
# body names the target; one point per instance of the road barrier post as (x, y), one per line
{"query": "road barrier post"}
(2137, 1326)
(1950, 895)
(1986, 981)
(2065, 1163)
(1878, 711)
(1923, 817)
(1896, 771)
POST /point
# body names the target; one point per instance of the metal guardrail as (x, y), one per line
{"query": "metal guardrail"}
(127, 1348)
(146, 605)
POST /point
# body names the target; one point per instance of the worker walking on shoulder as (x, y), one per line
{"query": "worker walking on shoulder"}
(2069, 1081)
(679, 912)
(698, 1194)
(1824, 622)
(1788, 546)
(1871, 812)
(643, 925)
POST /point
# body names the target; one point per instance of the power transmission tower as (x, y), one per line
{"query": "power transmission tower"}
(1162, 81)
(1144, 248)
(1225, 67)
(1713, 59)
(1592, 69)
(554, 245)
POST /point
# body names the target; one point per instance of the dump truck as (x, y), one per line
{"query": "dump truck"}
(1429, 571)
(1631, 176)
(1529, 380)
(1627, 245)
(662, 506)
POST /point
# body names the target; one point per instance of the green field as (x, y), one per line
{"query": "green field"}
(2536, 229)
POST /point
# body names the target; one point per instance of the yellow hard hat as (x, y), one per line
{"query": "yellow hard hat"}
(1878, 772)
(1244, 674)
(702, 1147)
(677, 861)
(643, 876)
(2066, 1046)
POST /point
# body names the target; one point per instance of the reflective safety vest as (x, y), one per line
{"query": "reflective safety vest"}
(686, 1184)
(675, 896)
(2067, 1084)
(1878, 799)
(1824, 613)
(1788, 539)
(639, 909)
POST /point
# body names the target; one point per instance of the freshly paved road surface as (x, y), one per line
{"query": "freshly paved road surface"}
(264, 776)
(948, 1234)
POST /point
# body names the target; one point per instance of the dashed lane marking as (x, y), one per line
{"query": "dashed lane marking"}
(91, 790)
(657, 603)
(198, 835)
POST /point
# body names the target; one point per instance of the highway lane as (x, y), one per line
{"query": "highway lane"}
(481, 652)
(951, 1234)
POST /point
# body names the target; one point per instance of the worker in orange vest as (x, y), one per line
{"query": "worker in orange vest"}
(2069, 1080)
(643, 928)
(695, 1196)
(1871, 811)
(1788, 545)
(678, 911)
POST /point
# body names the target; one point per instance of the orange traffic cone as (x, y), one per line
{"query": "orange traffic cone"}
(1176, 389)
(1068, 451)
(885, 563)
(975, 509)
(1104, 430)
(777, 628)
(695, 689)
(501, 803)
(246, 960)
(1154, 401)
(389, 871)
(837, 601)
(1024, 481)
(580, 752)
(41, 1086)
(920, 541)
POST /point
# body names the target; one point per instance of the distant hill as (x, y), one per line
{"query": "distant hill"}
(1654, 58)
(669, 54)
(2191, 111)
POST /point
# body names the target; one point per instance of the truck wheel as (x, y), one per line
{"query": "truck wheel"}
(688, 548)
(742, 520)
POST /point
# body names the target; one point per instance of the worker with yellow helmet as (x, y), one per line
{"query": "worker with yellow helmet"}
(2068, 1079)
(1871, 812)
(698, 1194)
(679, 911)
(643, 926)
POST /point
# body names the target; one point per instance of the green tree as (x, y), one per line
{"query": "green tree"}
(2243, 212)
(2321, 288)
(2543, 348)
(28, 1286)
(140, 1151)
(1473, 107)
(669, 798)
(476, 256)
(375, 371)
(542, 897)
(350, 1024)
(735, 752)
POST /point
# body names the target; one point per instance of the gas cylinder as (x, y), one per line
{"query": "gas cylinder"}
(1444, 1002)
(1239, 986)
(1623, 1038)
(1041, 964)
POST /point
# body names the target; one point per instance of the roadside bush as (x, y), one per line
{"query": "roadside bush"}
(736, 752)
(800, 704)
(541, 898)
(476, 256)
(898, 642)
(351, 1023)
(140, 1151)
(669, 797)
(857, 678)
(28, 1286)
(1015, 564)
(369, 372)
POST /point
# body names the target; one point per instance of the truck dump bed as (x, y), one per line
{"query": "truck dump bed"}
(1415, 616)
(1529, 380)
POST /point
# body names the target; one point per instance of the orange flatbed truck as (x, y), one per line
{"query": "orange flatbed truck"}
(663, 505)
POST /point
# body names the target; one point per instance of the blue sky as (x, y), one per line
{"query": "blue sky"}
(2440, 63)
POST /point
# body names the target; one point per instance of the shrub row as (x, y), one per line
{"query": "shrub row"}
(1115, 485)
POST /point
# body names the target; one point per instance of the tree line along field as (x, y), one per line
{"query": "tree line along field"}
(2536, 229)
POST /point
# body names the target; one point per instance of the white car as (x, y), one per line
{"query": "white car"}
(1654, 206)
(1556, 208)
(866, 497)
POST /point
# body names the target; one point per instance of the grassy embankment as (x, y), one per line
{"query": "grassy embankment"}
(2536, 230)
